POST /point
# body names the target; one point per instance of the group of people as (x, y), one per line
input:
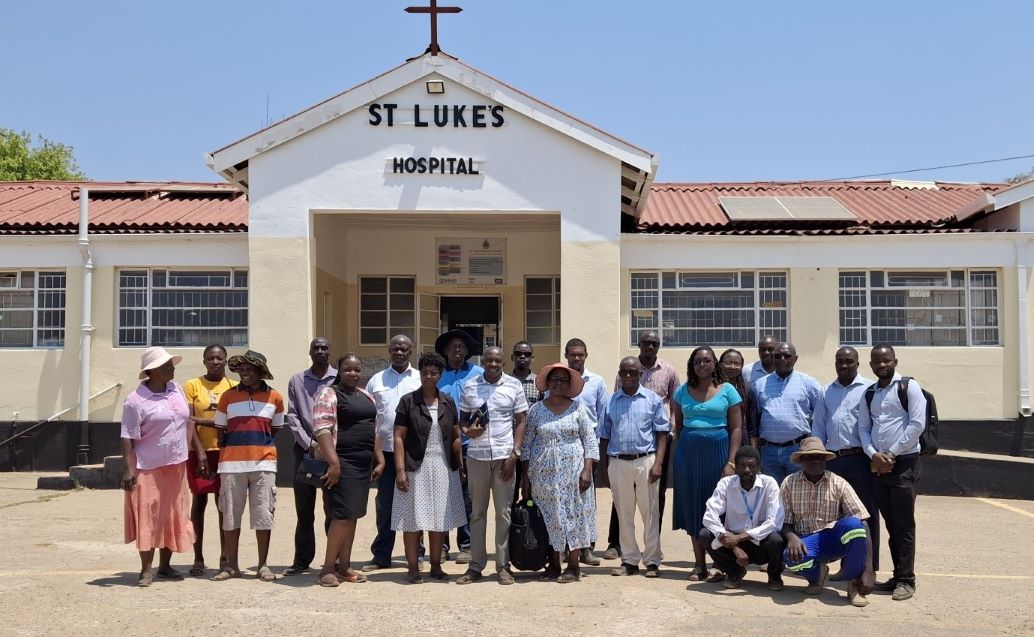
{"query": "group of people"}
(768, 466)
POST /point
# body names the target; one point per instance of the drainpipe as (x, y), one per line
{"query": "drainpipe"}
(1022, 281)
(82, 455)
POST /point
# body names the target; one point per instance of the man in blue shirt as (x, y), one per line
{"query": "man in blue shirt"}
(593, 397)
(633, 442)
(786, 400)
(456, 346)
(836, 425)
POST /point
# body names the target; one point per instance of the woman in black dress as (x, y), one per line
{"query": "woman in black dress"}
(343, 425)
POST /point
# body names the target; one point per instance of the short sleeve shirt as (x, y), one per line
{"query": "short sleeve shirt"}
(505, 398)
(710, 414)
(157, 423)
(203, 398)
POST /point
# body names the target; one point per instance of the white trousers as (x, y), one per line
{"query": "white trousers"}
(631, 488)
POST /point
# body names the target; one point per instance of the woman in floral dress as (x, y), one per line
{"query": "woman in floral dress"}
(560, 446)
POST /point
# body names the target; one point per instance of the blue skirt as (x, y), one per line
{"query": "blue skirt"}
(699, 459)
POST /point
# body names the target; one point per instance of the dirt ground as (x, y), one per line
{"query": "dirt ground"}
(64, 569)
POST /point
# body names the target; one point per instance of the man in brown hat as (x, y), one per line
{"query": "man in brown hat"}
(825, 521)
(249, 414)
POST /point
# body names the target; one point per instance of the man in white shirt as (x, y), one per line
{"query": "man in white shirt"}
(890, 436)
(387, 388)
(492, 457)
(764, 365)
(749, 531)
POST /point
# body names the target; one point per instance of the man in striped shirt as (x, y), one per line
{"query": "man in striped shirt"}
(249, 414)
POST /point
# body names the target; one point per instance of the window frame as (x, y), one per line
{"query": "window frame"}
(755, 290)
(967, 308)
(149, 308)
(554, 310)
(37, 307)
(388, 328)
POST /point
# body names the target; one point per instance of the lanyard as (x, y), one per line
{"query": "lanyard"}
(746, 503)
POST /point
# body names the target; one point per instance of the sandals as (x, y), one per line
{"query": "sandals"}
(715, 577)
(352, 578)
(266, 574)
(170, 574)
(439, 576)
(467, 578)
(569, 576)
(329, 580)
(414, 578)
(698, 575)
(197, 570)
(226, 573)
(146, 579)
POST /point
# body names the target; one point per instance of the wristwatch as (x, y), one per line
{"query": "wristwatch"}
(517, 452)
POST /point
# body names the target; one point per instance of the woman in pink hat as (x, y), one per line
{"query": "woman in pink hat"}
(560, 446)
(155, 440)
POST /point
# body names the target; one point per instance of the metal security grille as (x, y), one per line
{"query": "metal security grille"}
(919, 308)
(182, 308)
(542, 310)
(728, 309)
(32, 309)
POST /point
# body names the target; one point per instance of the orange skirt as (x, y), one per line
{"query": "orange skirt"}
(158, 510)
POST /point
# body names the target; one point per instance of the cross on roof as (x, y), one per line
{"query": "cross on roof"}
(434, 10)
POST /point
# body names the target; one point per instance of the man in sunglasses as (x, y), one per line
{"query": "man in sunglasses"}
(786, 401)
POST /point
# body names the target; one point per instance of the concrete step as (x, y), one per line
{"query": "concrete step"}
(113, 468)
(55, 483)
(986, 475)
(92, 476)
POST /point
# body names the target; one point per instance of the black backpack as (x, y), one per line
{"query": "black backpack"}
(529, 540)
(928, 440)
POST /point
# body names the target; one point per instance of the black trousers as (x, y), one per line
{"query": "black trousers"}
(769, 552)
(305, 509)
(662, 488)
(855, 469)
(896, 499)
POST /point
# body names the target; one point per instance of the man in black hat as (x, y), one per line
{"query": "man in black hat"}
(456, 347)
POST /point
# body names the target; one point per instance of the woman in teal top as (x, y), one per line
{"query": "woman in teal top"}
(707, 430)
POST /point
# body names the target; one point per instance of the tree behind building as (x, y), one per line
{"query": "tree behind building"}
(20, 161)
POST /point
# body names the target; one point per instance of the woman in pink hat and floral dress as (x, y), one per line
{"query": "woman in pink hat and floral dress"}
(155, 440)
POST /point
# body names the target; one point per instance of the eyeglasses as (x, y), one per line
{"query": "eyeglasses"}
(782, 356)
(653, 343)
(562, 380)
(522, 354)
(628, 372)
(702, 362)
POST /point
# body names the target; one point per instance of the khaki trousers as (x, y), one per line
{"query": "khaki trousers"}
(483, 479)
(631, 488)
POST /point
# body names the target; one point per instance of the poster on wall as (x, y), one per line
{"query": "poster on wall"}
(471, 261)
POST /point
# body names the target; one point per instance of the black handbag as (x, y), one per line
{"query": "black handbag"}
(311, 471)
(529, 539)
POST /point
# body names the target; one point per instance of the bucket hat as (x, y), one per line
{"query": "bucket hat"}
(254, 358)
(576, 379)
(443, 340)
(155, 357)
(811, 446)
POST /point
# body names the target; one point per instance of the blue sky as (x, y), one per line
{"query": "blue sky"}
(722, 91)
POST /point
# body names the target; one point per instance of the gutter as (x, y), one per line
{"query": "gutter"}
(86, 328)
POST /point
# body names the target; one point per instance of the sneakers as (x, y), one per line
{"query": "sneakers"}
(626, 569)
(652, 571)
(815, 589)
(463, 557)
(775, 583)
(885, 587)
(903, 591)
(369, 567)
(506, 577)
(612, 554)
(854, 595)
(588, 558)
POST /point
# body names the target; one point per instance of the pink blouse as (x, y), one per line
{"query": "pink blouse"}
(157, 422)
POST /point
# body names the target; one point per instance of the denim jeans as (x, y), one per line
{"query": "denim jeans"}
(775, 461)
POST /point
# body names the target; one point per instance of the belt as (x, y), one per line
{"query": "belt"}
(850, 451)
(784, 444)
(630, 456)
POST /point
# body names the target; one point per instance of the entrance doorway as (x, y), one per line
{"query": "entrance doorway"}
(479, 316)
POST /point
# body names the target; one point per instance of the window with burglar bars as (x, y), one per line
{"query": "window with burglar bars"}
(32, 308)
(182, 308)
(542, 310)
(720, 309)
(919, 308)
(387, 306)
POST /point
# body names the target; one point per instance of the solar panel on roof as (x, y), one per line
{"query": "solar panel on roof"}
(816, 208)
(785, 209)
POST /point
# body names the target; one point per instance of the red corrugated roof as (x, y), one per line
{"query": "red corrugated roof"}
(694, 207)
(52, 207)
